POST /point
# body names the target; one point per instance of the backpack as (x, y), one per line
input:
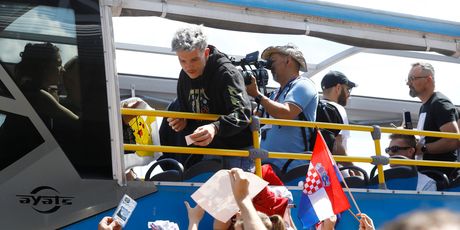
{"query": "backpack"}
(325, 112)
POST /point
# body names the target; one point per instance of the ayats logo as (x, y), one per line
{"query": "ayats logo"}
(45, 199)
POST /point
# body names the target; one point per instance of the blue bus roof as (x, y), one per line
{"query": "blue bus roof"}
(353, 14)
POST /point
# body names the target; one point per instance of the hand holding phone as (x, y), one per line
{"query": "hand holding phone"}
(407, 120)
(124, 210)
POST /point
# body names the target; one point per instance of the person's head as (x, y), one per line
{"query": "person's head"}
(286, 61)
(274, 222)
(420, 79)
(277, 222)
(40, 66)
(337, 87)
(403, 145)
(426, 220)
(191, 48)
(71, 78)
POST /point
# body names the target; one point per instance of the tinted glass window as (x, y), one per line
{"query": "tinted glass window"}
(53, 53)
(15, 146)
(4, 91)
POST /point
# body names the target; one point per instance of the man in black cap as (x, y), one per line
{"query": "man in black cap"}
(336, 91)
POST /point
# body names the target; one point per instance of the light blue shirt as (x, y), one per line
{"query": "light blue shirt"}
(301, 92)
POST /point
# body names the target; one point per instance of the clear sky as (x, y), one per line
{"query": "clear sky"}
(376, 75)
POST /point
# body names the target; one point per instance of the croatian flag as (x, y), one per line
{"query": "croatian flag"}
(322, 195)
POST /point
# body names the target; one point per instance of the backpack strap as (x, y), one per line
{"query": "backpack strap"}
(305, 141)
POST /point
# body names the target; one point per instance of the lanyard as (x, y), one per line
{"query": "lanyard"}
(287, 87)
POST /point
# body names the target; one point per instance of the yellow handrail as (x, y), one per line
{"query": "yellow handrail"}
(281, 155)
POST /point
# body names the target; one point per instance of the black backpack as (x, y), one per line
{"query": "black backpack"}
(325, 112)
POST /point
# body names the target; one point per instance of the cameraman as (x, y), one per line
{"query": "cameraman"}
(295, 99)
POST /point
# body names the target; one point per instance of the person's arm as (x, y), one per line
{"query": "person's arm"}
(275, 109)
(442, 145)
(300, 95)
(240, 188)
(280, 110)
(194, 216)
(179, 124)
(236, 102)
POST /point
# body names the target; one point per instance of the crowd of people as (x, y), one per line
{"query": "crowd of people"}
(210, 83)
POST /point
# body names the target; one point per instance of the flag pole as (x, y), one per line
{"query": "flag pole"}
(349, 192)
(353, 214)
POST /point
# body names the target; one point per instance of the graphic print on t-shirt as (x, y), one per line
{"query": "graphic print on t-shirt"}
(199, 101)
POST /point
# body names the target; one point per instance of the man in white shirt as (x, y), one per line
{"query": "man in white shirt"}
(404, 145)
(336, 92)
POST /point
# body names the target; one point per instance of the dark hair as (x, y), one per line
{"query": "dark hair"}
(36, 60)
(277, 222)
(409, 139)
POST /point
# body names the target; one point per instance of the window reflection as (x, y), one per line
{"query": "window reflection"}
(14, 145)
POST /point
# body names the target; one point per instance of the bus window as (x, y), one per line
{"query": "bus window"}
(52, 51)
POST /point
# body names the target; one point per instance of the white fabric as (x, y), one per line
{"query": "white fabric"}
(425, 183)
(343, 113)
(321, 203)
(163, 224)
(281, 191)
(420, 124)
(133, 160)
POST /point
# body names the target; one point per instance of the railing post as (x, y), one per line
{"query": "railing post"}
(376, 136)
(255, 127)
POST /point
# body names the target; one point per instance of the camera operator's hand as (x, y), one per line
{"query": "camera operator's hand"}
(252, 88)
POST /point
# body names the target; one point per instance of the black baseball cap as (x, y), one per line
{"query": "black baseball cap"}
(335, 77)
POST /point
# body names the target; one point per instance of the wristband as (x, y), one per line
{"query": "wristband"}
(258, 98)
(424, 149)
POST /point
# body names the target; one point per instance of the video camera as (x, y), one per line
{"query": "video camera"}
(259, 72)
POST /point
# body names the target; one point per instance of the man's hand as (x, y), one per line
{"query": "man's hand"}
(252, 88)
(194, 214)
(131, 105)
(177, 124)
(240, 184)
(108, 223)
(329, 223)
(365, 223)
(203, 135)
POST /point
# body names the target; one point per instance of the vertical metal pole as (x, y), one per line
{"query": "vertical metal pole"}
(376, 136)
(255, 128)
(113, 95)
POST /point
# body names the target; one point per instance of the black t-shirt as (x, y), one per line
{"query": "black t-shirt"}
(438, 111)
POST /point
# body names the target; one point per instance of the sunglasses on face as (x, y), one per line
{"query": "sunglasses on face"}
(396, 148)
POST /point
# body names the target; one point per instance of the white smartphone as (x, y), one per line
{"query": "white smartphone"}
(124, 210)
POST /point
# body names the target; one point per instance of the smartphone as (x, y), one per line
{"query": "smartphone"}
(124, 210)
(407, 120)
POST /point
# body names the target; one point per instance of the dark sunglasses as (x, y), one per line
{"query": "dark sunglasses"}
(396, 148)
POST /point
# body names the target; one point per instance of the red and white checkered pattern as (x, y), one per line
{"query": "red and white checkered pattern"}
(312, 182)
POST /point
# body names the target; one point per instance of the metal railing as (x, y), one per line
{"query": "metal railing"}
(374, 130)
